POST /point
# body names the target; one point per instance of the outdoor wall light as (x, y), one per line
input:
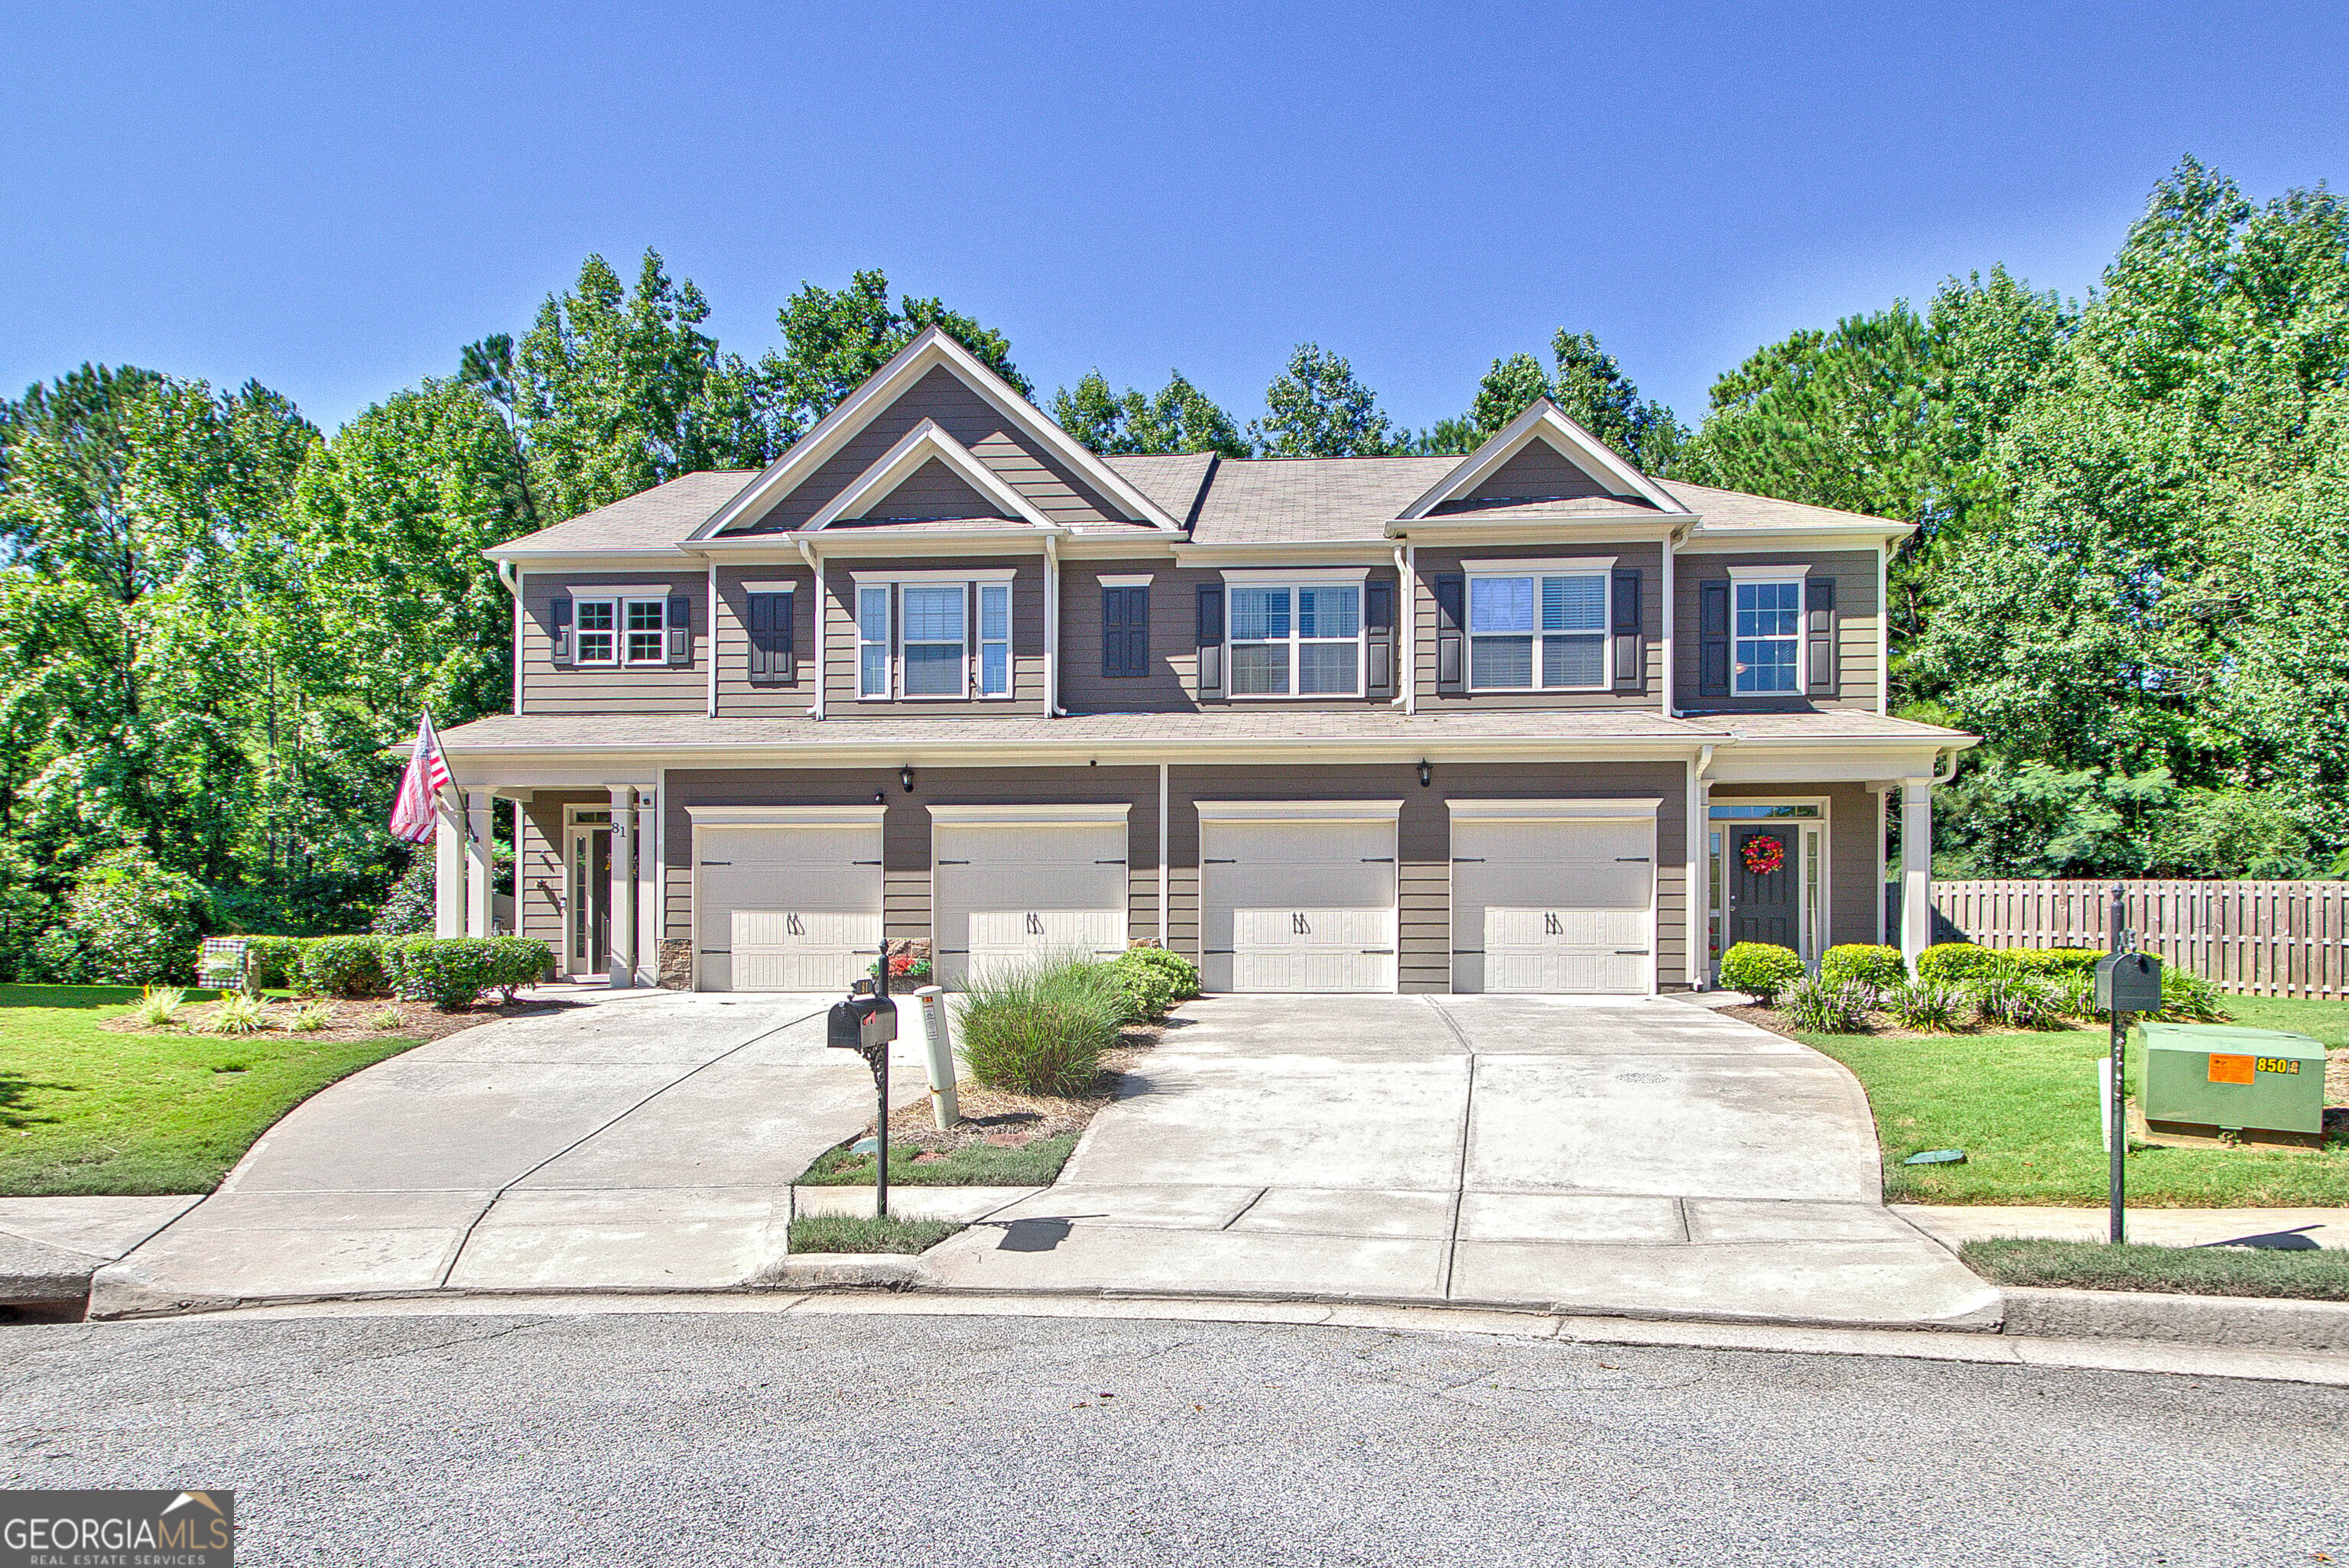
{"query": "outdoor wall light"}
(1422, 772)
(905, 777)
(879, 798)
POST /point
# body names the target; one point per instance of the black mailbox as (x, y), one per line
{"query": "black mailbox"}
(2128, 983)
(860, 1022)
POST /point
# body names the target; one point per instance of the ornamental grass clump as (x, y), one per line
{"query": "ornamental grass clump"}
(310, 1017)
(1040, 1027)
(238, 1014)
(159, 1005)
(1922, 1005)
(1825, 1007)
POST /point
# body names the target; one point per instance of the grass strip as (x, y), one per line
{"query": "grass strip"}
(2306, 1274)
(851, 1233)
(1036, 1164)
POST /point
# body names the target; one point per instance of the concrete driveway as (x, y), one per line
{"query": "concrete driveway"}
(647, 1141)
(1643, 1156)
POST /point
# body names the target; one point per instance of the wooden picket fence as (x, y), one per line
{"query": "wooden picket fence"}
(2258, 938)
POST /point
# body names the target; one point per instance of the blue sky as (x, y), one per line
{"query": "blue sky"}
(333, 197)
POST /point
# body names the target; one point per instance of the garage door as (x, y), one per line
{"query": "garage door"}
(1014, 883)
(1554, 903)
(1306, 904)
(790, 904)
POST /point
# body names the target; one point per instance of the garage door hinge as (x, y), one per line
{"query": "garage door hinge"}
(1630, 860)
(716, 952)
(954, 862)
(1459, 952)
(717, 862)
(1214, 861)
(1109, 862)
(1219, 953)
(1378, 860)
(1630, 952)
(1467, 859)
(1378, 950)
(864, 862)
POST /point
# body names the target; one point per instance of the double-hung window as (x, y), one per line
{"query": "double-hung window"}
(938, 637)
(1304, 640)
(1541, 629)
(1769, 634)
(621, 630)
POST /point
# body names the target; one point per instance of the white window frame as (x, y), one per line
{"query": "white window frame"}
(961, 643)
(1795, 577)
(579, 633)
(1602, 568)
(659, 631)
(1355, 578)
(975, 586)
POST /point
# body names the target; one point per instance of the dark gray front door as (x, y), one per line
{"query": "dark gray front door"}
(1764, 906)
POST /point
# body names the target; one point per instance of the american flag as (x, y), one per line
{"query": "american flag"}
(413, 818)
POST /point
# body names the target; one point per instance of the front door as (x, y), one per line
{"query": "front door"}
(1766, 900)
(588, 918)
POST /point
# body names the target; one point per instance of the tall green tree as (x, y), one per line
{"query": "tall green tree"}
(1316, 408)
(835, 340)
(1587, 385)
(1178, 418)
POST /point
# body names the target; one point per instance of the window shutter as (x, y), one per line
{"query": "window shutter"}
(1125, 632)
(786, 660)
(1379, 641)
(680, 629)
(559, 635)
(1211, 639)
(1451, 591)
(1819, 650)
(1713, 638)
(1631, 645)
(770, 625)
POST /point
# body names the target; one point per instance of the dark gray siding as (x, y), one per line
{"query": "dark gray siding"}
(1538, 472)
(611, 688)
(1647, 559)
(1856, 610)
(737, 698)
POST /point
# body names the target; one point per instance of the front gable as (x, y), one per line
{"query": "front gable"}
(926, 475)
(1542, 456)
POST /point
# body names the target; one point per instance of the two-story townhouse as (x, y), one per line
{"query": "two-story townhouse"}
(1526, 720)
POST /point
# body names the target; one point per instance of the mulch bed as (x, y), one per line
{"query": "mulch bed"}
(351, 1020)
(1012, 1120)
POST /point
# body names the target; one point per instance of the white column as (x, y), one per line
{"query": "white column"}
(649, 887)
(621, 961)
(449, 867)
(481, 819)
(1699, 875)
(1915, 867)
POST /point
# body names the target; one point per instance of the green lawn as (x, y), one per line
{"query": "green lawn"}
(84, 1110)
(865, 1233)
(2304, 1276)
(2024, 1108)
(1036, 1164)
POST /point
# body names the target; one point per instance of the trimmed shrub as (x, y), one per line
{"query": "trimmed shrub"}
(1040, 1027)
(127, 922)
(1921, 1005)
(1149, 989)
(2049, 962)
(516, 962)
(1826, 1007)
(345, 966)
(1953, 963)
(449, 972)
(1180, 971)
(2188, 998)
(1878, 968)
(1760, 969)
(408, 910)
(275, 963)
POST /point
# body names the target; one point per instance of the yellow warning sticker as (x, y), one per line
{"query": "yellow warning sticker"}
(2278, 1065)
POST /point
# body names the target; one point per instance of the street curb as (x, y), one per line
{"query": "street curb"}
(2232, 1322)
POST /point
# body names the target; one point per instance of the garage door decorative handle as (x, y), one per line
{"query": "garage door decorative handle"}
(792, 926)
(1550, 927)
(1035, 925)
(1299, 927)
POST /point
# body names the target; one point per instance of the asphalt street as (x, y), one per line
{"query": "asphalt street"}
(776, 1438)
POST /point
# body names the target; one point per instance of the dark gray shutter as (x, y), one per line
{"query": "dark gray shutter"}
(559, 630)
(1713, 638)
(1451, 665)
(1820, 663)
(680, 629)
(1125, 632)
(770, 640)
(1631, 645)
(1211, 639)
(1379, 641)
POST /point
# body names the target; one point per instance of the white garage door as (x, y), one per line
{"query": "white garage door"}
(791, 906)
(1297, 906)
(1014, 883)
(1556, 905)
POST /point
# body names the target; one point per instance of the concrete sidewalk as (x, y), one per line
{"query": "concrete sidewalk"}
(647, 1142)
(1635, 1155)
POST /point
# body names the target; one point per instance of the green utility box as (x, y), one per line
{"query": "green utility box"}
(2204, 1079)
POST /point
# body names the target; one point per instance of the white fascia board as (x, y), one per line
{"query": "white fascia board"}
(1327, 552)
(1554, 811)
(1774, 572)
(1761, 541)
(1473, 527)
(784, 816)
(932, 348)
(574, 560)
(1089, 813)
(918, 446)
(860, 545)
(1847, 764)
(1542, 422)
(1298, 811)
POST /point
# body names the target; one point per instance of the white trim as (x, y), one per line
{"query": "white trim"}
(932, 348)
(1086, 814)
(1297, 811)
(777, 585)
(1790, 573)
(1295, 577)
(887, 576)
(522, 585)
(783, 816)
(1127, 579)
(1530, 564)
(1626, 810)
(1542, 422)
(1814, 925)
(919, 446)
(712, 635)
(1535, 571)
(1269, 581)
(1671, 620)
(1759, 575)
(823, 625)
(621, 590)
(1407, 592)
(1883, 630)
(1165, 876)
(1745, 538)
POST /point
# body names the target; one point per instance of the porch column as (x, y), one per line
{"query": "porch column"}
(449, 866)
(621, 902)
(481, 819)
(1915, 867)
(649, 887)
(1700, 877)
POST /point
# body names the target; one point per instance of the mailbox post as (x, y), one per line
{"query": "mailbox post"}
(2126, 982)
(866, 1023)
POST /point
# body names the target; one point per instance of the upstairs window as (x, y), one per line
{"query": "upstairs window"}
(935, 637)
(1768, 635)
(994, 639)
(598, 631)
(1544, 632)
(621, 631)
(873, 642)
(1297, 641)
(934, 644)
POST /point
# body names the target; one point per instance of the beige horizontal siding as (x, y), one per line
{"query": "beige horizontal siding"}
(610, 688)
(1856, 611)
(1647, 557)
(737, 698)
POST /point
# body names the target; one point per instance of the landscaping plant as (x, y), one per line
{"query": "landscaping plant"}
(238, 1014)
(310, 1017)
(516, 962)
(1922, 1005)
(449, 972)
(275, 963)
(1150, 989)
(1761, 970)
(2188, 998)
(1824, 1007)
(1179, 970)
(158, 1004)
(384, 1018)
(344, 966)
(1955, 963)
(1040, 1027)
(1857, 963)
(128, 921)
(2054, 961)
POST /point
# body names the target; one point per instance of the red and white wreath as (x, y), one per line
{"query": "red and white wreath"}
(1764, 854)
